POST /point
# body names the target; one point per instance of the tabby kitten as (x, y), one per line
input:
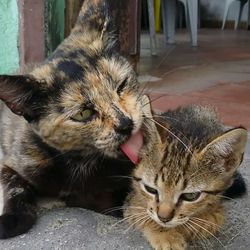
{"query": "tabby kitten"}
(178, 184)
(63, 123)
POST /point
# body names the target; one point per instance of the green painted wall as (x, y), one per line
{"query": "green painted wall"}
(9, 55)
(54, 24)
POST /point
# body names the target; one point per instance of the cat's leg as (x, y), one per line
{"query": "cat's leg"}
(19, 212)
(165, 239)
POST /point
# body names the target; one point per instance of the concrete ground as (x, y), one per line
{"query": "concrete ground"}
(216, 73)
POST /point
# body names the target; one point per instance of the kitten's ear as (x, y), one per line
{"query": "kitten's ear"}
(94, 15)
(154, 124)
(226, 151)
(17, 92)
(146, 107)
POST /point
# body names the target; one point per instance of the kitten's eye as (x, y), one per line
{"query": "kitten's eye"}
(83, 115)
(190, 196)
(122, 86)
(150, 190)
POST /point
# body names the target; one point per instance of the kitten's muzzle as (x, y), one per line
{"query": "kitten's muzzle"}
(164, 216)
(125, 126)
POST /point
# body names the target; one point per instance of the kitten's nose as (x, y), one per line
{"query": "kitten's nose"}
(125, 126)
(165, 215)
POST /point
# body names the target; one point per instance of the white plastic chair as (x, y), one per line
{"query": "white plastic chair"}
(168, 14)
(228, 3)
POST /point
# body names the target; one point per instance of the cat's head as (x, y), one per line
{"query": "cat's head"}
(174, 185)
(85, 96)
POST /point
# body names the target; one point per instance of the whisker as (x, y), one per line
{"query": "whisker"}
(154, 99)
(121, 208)
(137, 221)
(165, 117)
(198, 225)
(199, 235)
(141, 93)
(127, 218)
(183, 135)
(237, 234)
(228, 198)
(209, 223)
(161, 62)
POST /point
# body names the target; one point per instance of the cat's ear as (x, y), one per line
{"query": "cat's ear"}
(154, 123)
(146, 107)
(18, 93)
(148, 114)
(94, 15)
(225, 153)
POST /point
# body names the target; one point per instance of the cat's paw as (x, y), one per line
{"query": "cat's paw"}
(12, 225)
(167, 241)
(169, 245)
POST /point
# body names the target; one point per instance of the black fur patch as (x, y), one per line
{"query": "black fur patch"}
(14, 224)
(71, 69)
(80, 53)
(238, 188)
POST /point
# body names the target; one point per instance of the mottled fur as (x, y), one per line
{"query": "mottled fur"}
(202, 163)
(46, 151)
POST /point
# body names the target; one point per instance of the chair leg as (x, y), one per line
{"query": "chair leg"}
(168, 14)
(192, 7)
(248, 16)
(180, 13)
(184, 2)
(227, 5)
(238, 17)
(151, 17)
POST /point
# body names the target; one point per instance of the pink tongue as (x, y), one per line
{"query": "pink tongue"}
(132, 147)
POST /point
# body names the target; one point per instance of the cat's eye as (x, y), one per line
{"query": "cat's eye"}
(190, 196)
(150, 190)
(121, 86)
(84, 115)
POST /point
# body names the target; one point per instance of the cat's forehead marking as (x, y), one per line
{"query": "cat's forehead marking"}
(71, 69)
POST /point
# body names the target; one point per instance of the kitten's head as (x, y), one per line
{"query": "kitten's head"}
(85, 96)
(173, 184)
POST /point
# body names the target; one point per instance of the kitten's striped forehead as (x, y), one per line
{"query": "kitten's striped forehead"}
(169, 164)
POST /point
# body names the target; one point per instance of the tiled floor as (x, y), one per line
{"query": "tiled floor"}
(217, 73)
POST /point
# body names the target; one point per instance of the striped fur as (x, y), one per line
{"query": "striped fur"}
(195, 157)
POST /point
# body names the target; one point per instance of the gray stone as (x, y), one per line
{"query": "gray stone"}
(76, 228)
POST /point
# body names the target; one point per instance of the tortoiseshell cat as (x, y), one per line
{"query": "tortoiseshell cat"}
(69, 117)
(177, 189)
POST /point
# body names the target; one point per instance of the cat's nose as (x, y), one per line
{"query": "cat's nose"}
(165, 216)
(125, 126)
